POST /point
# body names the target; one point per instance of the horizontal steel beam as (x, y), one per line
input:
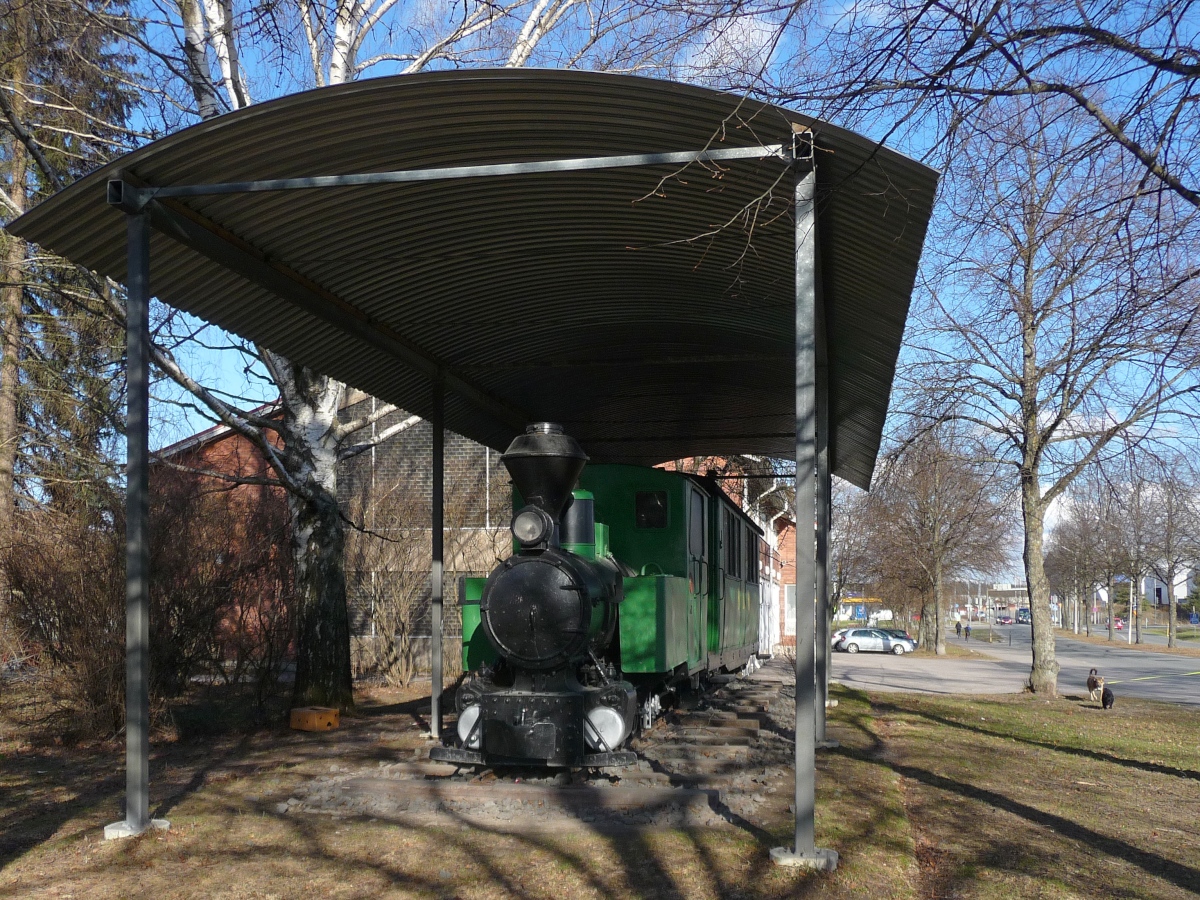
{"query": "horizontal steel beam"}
(209, 239)
(663, 438)
(131, 197)
(710, 359)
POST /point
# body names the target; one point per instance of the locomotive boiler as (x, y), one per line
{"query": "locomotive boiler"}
(625, 584)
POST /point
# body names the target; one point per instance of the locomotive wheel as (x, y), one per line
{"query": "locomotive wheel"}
(852, 648)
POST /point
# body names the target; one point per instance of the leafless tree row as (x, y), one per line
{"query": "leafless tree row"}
(1137, 517)
(938, 512)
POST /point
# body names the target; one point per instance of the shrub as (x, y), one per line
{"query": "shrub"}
(219, 602)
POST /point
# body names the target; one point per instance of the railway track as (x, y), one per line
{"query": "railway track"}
(718, 759)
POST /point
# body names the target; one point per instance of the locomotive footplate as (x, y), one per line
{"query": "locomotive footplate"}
(455, 755)
(475, 758)
(522, 727)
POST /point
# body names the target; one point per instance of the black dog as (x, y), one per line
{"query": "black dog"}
(1106, 699)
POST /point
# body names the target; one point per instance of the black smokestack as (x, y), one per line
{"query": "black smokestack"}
(544, 464)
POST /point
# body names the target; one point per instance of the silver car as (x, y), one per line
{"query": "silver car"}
(874, 640)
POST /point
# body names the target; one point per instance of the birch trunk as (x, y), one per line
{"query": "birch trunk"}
(345, 33)
(311, 443)
(197, 58)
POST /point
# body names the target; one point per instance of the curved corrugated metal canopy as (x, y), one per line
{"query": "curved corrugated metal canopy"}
(649, 310)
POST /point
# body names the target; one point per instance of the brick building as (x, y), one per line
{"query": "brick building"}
(387, 490)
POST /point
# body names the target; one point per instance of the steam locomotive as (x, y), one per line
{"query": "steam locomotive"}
(625, 584)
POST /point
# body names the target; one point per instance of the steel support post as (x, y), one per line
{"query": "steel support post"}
(824, 503)
(137, 549)
(437, 422)
(804, 852)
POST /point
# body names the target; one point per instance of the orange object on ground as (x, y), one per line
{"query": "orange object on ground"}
(315, 718)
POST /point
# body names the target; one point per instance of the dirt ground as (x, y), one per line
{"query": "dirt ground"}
(926, 797)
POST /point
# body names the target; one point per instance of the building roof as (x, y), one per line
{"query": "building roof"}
(213, 433)
(647, 309)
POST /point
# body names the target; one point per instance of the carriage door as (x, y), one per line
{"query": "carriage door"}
(697, 578)
(731, 603)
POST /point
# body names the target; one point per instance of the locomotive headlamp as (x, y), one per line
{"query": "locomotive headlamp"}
(604, 729)
(468, 733)
(532, 526)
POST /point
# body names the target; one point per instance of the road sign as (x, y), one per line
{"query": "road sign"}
(1196, 618)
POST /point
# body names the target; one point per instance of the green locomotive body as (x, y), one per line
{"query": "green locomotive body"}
(691, 558)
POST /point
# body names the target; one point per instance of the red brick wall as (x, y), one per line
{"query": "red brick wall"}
(787, 555)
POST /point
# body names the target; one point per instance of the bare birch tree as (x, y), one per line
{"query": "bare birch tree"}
(849, 540)
(1130, 69)
(1061, 315)
(1174, 510)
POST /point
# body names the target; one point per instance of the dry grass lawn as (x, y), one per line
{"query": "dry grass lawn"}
(927, 797)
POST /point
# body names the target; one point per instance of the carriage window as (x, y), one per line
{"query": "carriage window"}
(651, 509)
(696, 528)
(752, 543)
(733, 545)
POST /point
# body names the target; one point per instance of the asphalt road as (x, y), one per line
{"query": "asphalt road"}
(1131, 673)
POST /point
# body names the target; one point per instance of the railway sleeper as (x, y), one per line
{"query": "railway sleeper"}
(685, 728)
(691, 751)
(718, 740)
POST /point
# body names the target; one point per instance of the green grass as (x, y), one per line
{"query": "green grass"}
(1028, 797)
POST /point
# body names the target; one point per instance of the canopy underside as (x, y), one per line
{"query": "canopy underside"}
(648, 309)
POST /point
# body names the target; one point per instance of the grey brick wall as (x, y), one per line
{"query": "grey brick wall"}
(386, 491)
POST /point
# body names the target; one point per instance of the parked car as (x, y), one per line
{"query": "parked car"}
(1004, 620)
(837, 636)
(874, 640)
(895, 632)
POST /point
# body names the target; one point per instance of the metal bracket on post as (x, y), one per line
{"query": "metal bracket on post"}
(128, 197)
(804, 853)
(800, 153)
(137, 549)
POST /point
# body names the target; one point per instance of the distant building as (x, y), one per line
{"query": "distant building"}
(1008, 597)
(1154, 592)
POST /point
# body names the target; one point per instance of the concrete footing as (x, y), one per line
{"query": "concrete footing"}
(828, 744)
(819, 859)
(124, 829)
